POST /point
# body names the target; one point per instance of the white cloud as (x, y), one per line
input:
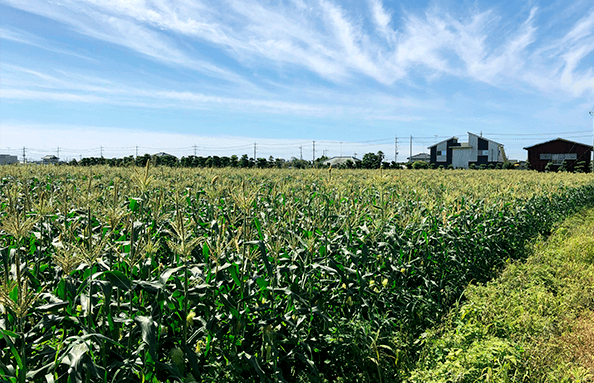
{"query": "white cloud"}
(333, 42)
(20, 83)
(23, 94)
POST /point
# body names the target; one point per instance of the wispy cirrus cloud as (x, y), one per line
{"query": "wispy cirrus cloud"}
(324, 38)
(62, 86)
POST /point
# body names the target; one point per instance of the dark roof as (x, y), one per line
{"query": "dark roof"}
(559, 139)
(453, 137)
(163, 154)
(420, 155)
(50, 157)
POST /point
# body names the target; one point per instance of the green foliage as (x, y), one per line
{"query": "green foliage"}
(174, 274)
(372, 161)
(517, 326)
(420, 165)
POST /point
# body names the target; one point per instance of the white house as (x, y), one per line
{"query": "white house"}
(341, 160)
(478, 150)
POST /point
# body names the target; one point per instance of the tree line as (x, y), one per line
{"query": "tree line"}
(369, 161)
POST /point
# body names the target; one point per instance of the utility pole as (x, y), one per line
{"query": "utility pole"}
(396, 149)
(194, 150)
(136, 152)
(101, 150)
(314, 151)
(410, 158)
(24, 156)
(58, 152)
(341, 148)
(254, 151)
(591, 113)
(301, 153)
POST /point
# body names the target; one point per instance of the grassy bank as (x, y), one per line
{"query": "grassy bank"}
(533, 323)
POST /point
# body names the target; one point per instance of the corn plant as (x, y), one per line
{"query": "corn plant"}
(164, 274)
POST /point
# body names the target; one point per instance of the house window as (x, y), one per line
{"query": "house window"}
(558, 159)
(441, 153)
(483, 152)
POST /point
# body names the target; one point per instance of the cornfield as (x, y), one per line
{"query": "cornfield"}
(161, 274)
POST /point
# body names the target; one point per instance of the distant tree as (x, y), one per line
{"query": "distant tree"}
(508, 165)
(319, 162)
(372, 161)
(279, 163)
(244, 162)
(262, 163)
(225, 162)
(299, 164)
(216, 162)
(141, 161)
(580, 167)
(420, 165)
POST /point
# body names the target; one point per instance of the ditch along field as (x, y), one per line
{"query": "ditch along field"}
(164, 274)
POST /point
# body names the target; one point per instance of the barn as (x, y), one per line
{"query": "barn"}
(557, 152)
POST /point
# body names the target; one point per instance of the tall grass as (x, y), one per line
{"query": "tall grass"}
(531, 324)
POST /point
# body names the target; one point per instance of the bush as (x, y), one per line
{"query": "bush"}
(420, 165)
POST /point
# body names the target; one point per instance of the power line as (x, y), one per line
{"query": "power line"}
(536, 134)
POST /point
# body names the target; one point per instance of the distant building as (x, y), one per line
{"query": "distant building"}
(478, 151)
(341, 160)
(50, 159)
(557, 152)
(420, 157)
(163, 154)
(163, 158)
(7, 159)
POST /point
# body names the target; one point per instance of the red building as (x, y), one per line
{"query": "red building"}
(559, 152)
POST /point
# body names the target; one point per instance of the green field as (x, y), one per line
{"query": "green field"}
(165, 274)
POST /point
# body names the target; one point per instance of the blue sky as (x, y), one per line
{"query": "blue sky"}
(215, 77)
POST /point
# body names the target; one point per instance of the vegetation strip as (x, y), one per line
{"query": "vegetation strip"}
(231, 275)
(533, 323)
